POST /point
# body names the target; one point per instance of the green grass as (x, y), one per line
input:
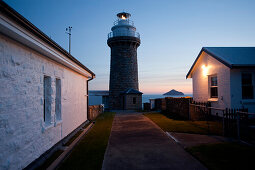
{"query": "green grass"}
(225, 156)
(185, 126)
(89, 153)
(76, 135)
(73, 138)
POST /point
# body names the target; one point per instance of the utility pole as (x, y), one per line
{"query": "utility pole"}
(69, 33)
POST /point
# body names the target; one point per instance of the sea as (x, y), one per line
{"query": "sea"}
(146, 97)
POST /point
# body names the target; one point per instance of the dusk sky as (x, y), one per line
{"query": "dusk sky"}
(172, 33)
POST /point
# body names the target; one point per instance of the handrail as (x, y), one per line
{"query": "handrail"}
(126, 22)
(124, 33)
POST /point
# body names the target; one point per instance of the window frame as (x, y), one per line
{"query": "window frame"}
(247, 85)
(58, 95)
(47, 98)
(134, 100)
(213, 86)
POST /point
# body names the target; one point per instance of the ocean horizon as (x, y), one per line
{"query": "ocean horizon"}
(146, 97)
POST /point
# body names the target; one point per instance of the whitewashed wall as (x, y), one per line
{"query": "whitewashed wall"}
(236, 90)
(23, 136)
(200, 81)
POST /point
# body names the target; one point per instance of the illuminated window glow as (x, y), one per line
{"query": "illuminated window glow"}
(205, 70)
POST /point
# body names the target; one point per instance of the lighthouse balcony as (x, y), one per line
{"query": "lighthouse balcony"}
(123, 34)
(123, 22)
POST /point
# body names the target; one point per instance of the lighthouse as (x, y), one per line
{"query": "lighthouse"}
(124, 91)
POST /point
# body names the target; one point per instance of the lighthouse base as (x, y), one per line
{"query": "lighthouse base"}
(129, 99)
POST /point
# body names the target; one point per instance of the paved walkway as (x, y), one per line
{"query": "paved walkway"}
(137, 143)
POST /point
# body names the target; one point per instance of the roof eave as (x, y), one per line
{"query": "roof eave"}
(217, 57)
(10, 12)
(211, 54)
(238, 66)
(188, 75)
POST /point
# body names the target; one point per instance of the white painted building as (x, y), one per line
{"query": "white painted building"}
(225, 76)
(43, 91)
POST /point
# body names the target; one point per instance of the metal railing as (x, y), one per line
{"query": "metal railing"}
(124, 33)
(123, 22)
(237, 123)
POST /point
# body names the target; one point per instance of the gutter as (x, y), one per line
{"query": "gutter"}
(93, 76)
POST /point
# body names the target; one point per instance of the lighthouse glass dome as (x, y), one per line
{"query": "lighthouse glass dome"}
(123, 26)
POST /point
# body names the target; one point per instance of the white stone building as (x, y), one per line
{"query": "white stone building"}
(225, 76)
(43, 91)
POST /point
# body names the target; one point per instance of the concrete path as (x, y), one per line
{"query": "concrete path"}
(137, 143)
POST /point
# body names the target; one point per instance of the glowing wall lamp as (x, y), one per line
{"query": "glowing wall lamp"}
(205, 70)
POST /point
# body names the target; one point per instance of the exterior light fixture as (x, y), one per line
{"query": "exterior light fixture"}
(205, 70)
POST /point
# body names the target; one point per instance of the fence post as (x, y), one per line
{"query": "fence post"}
(207, 117)
(223, 123)
(189, 108)
(238, 124)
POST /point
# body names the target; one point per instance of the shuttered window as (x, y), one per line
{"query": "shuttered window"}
(47, 100)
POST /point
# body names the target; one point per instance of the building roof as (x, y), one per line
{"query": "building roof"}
(99, 92)
(232, 57)
(19, 19)
(131, 91)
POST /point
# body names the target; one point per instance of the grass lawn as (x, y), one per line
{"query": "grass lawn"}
(89, 153)
(76, 135)
(185, 126)
(73, 138)
(225, 156)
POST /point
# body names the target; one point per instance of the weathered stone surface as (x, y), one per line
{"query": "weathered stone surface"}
(130, 105)
(95, 111)
(124, 69)
(23, 135)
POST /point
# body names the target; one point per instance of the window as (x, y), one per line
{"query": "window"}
(213, 87)
(134, 100)
(47, 100)
(247, 87)
(58, 100)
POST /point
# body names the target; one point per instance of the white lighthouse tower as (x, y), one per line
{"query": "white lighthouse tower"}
(124, 41)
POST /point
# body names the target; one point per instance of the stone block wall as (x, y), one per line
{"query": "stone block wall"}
(24, 136)
(146, 106)
(123, 68)
(178, 106)
(129, 105)
(160, 104)
(95, 111)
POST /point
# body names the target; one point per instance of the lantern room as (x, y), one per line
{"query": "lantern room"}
(123, 15)
(123, 26)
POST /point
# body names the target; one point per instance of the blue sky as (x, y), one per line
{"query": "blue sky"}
(172, 33)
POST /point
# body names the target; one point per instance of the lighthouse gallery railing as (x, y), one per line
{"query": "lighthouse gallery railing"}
(124, 33)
